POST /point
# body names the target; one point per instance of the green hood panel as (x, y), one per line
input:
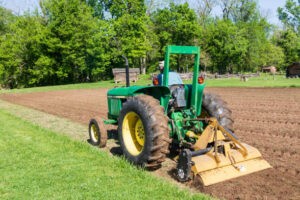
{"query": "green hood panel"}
(134, 90)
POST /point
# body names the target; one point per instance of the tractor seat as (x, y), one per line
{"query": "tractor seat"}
(174, 79)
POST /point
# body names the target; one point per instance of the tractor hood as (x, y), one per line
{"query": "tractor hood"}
(134, 90)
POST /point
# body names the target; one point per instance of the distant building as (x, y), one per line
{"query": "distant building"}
(120, 74)
(270, 69)
(293, 71)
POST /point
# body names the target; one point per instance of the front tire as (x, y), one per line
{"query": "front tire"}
(144, 132)
(97, 132)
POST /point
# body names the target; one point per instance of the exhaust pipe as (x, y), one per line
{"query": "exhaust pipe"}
(127, 71)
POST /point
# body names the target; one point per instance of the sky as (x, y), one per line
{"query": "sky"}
(268, 7)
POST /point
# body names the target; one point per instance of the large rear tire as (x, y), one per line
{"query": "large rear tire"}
(144, 132)
(214, 106)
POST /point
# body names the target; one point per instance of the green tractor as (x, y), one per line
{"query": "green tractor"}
(196, 124)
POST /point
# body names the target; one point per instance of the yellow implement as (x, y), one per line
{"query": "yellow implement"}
(219, 156)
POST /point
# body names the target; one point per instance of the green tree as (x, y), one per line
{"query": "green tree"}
(129, 23)
(239, 10)
(6, 17)
(72, 38)
(176, 25)
(290, 14)
(256, 33)
(246, 16)
(289, 41)
(98, 7)
(272, 55)
(204, 9)
(64, 45)
(226, 46)
(19, 52)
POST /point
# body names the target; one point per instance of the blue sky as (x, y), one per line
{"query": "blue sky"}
(268, 7)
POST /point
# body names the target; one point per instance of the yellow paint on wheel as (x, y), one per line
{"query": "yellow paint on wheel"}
(94, 133)
(139, 132)
(133, 133)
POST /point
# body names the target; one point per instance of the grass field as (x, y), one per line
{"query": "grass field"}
(263, 81)
(39, 164)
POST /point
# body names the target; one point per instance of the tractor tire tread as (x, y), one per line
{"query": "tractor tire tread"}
(159, 128)
(218, 108)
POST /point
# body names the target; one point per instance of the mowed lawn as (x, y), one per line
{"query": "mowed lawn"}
(262, 81)
(39, 164)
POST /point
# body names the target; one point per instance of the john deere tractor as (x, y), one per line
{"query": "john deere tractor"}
(199, 125)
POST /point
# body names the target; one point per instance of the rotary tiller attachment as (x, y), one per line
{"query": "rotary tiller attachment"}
(219, 156)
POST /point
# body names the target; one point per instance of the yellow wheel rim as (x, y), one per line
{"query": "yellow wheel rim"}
(94, 132)
(139, 132)
(133, 133)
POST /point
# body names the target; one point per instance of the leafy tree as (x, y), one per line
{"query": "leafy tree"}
(153, 5)
(204, 9)
(65, 45)
(73, 36)
(98, 7)
(129, 23)
(226, 45)
(227, 6)
(6, 17)
(289, 41)
(246, 16)
(178, 26)
(205, 60)
(290, 14)
(256, 33)
(81, 40)
(244, 11)
(19, 52)
(239, 10)
(272, 55)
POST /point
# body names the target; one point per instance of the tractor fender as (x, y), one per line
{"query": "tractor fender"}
(160, 93)
(117, 96)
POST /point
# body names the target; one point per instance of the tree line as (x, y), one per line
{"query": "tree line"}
(72, 41)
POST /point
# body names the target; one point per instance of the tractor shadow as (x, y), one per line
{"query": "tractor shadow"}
(171, 171)
(113, 144)
(112, 134)
(194, 182)
(115, 150)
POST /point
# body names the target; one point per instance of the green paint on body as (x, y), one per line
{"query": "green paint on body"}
(193, 97)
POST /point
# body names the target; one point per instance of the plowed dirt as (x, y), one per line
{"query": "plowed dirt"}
(266, 118)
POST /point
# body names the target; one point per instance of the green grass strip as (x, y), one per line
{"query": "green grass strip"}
(262, 81)
(39, 164)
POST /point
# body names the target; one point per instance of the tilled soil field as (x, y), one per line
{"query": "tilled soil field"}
(266, 118)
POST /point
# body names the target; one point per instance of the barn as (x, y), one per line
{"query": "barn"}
(120, 74)
(293, 71)
(270, 69)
